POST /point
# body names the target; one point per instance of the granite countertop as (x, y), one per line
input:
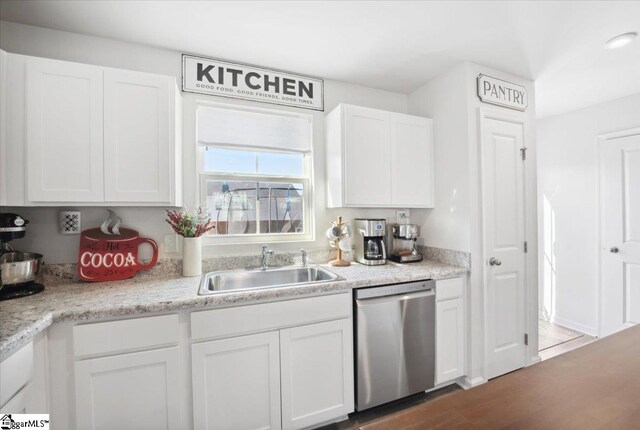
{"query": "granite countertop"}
(22, 319)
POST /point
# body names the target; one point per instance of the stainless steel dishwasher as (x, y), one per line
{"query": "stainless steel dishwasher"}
(395, 341)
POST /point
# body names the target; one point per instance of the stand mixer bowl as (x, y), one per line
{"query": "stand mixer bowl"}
(19, 267)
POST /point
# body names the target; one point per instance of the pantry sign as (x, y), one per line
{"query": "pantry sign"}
(502, 93)
(220, 78)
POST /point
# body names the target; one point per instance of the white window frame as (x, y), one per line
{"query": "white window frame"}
(306, 180)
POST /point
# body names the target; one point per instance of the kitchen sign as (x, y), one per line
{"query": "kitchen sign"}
(502, 93)
(220, 78)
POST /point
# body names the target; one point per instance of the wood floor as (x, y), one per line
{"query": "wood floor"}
(595, 387)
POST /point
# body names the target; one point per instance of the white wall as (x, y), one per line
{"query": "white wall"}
(456, 222)
(445, 100)
(43, 233)
(568, 208)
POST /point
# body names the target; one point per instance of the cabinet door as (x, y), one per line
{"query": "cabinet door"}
(366, 157)
(138, 137)
(317, 373)
(449, 340)
(411, 161)
(236, 383)
(139, 390)
(18, 403)
(64, 132)
(3, 128)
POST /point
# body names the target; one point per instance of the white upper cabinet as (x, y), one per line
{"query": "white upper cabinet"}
(377, 158)
(138, 137)
(64, 132)
(366, 152)
(3, 127)
(411, 161)
(92, 135)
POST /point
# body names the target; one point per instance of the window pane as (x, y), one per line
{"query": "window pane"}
(232, 206)
(281, 208)
(277, 163)
(229, 160)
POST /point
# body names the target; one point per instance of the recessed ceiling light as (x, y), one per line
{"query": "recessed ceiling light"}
(621, 40)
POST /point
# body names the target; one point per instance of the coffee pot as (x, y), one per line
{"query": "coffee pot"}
(369, 241)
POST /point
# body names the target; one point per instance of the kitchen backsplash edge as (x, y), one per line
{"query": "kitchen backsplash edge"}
(55, 274)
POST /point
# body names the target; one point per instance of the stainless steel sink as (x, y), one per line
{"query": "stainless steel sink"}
(240, 280)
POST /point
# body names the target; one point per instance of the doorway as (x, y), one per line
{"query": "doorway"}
(554, 339)
(619, 230)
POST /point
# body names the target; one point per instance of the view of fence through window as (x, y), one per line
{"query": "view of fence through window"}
(239, 207)
(268, 200)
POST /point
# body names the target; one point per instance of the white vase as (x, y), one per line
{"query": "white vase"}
(191, 256)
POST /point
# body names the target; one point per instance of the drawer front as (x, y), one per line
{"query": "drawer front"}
(219, 323)
(125, 335)
(449, 289)
(15, 372)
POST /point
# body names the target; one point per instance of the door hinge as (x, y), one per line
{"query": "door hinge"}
(523, 153)
(526, 339)
(526, 247)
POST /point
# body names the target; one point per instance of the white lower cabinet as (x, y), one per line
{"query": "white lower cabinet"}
(317, 373)
(19, 403)
(450, 330)
(236, 383)
(293, 378)
(283, 364)
(450, 338)
(139, 390)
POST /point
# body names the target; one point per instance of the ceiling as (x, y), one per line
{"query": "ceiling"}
(394, 45)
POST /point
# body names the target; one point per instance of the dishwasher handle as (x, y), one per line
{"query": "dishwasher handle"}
(397, 289)
(362, 303)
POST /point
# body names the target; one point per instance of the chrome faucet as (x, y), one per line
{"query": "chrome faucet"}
(303, 253)
(264, 259)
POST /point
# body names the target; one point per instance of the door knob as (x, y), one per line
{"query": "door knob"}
(494, 261)
(614, 249)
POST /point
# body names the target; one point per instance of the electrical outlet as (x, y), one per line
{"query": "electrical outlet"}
(170, 243)
(402, 217)
(70, 222)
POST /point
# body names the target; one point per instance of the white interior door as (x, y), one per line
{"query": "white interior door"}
(620, 241)
(504, 236)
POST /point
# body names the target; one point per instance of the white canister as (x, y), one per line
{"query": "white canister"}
(191, 256)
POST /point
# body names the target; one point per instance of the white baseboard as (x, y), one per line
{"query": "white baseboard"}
(582, 328)
(534, 360)
(467, 383)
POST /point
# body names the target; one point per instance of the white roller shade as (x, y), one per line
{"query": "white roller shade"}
(217, 126)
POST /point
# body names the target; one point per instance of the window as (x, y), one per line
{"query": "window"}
(255, 172)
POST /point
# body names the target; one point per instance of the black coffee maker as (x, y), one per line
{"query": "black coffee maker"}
(18, 270)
